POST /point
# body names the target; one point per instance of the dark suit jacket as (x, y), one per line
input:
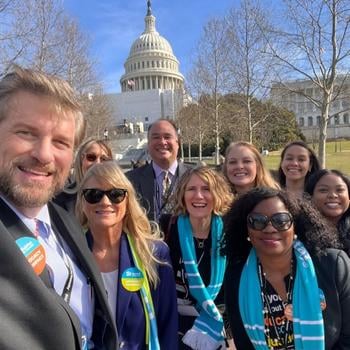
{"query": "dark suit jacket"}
(142, 179)
(67, 198)
(333, 277)
(130, 312)
(33, 315)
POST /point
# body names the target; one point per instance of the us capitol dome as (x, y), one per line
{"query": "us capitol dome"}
(151, 63)
(152, 86)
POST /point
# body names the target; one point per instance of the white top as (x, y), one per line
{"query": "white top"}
(110, 280)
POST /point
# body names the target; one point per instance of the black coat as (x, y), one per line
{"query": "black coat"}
(33, 315)
(333, 276)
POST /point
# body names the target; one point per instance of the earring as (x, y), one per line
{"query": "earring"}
(295, 237)
(248, 238)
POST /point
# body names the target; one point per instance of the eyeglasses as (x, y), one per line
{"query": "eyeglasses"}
(94, 195)
(280, 221)
(91, 157)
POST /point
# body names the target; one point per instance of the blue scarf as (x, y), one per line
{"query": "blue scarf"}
(307, 315)
(207, 331)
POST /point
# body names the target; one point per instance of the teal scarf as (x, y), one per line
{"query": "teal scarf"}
(207, 331)
(147, 301)
(307, 314)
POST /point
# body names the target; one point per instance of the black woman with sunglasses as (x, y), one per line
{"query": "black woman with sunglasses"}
(133, 260)
(287, 285)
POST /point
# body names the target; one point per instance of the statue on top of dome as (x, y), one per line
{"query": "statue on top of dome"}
(149, 11)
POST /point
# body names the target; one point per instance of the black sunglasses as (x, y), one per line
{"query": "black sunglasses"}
(91, 157)
(94, 195)
(280, 221)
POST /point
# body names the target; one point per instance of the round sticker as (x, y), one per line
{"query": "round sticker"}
(132, 279)
(34, 253)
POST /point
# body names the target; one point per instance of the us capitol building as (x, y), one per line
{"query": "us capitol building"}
(152, 86)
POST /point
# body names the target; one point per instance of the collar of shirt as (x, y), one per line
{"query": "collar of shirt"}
(158, 170)
(43, 215)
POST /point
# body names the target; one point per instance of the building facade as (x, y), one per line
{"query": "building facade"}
(292, 96)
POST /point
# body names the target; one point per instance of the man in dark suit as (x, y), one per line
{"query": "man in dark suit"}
(51, 293)
(156, 182)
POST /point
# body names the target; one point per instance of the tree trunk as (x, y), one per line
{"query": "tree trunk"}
(249, 110)
(323, 131)
(217, 138)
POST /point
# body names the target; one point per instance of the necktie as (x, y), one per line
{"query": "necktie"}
(40, 229)
(166, 186)
(37, 229)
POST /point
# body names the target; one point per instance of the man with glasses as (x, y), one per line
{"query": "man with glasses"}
(51, 294)
(156, 182)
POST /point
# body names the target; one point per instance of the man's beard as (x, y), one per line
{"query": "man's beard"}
(33, 194)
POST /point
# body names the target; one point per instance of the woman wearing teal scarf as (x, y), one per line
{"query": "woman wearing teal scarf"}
(286, 284)
(194, 237)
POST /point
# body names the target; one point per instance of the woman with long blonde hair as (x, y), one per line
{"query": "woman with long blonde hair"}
(133, 260)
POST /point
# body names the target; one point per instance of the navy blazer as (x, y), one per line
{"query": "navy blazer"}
(130, 312)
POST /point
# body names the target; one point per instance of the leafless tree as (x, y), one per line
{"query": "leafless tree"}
(44, 37)
(250, 67)
(11, 33)
(193, 129)
(209, 74)
(314, 44)
(97, 112)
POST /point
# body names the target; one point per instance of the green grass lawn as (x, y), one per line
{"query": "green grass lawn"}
(337, 156)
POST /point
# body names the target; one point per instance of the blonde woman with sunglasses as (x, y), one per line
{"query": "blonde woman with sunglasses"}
(133, 260)
(90, 152)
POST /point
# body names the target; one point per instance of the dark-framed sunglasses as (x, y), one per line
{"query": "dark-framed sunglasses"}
(92, 157)
(94, 195)
(280, 221)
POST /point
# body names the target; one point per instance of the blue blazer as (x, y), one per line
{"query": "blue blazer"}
(130, 313)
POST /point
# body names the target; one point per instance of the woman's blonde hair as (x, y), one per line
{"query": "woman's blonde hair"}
(217, 184)
(78, 162)
(263, 177)
(135, 222)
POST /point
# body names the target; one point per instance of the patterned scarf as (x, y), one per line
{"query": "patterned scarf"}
(207, 331)
(307, 315)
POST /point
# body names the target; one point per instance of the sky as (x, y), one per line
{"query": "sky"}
(113, 25)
